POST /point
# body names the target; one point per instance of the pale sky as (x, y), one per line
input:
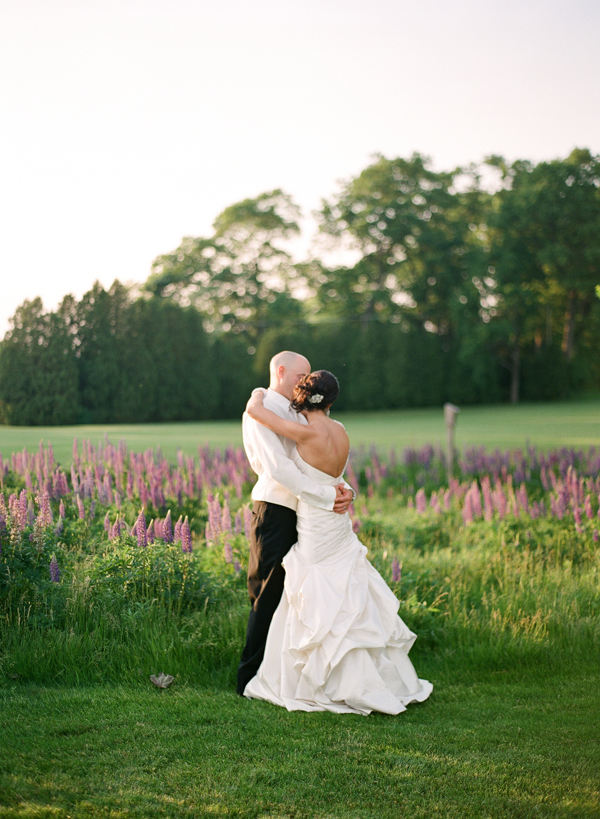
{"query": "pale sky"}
(127, 124)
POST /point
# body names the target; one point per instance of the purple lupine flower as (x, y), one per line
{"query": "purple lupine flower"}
(177, 531)
(54, 570)
(356, 524)
(115, 530)
(237, 526)
(396, 570)
(30, 513)
(167, 529)
(247, 521)
(129, 486)
(3, 513)
(560, 506)
(107, 522)
(595, 536)
(214, 518)
(227, 550)
(577, 516)
(150, 532)
(236, 566)
(140, 530)
(186, 536)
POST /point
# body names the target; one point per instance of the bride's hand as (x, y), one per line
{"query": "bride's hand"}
(256, 399)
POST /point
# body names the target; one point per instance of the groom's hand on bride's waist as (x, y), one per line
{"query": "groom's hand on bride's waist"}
(343, 499)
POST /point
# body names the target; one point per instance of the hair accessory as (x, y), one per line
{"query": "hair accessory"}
(316, 398)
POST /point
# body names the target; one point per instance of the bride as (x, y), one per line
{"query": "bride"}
(336, 642)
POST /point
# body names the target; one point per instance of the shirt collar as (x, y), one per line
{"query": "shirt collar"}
(278, 398)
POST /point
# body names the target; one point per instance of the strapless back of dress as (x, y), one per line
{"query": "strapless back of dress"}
(336, 642)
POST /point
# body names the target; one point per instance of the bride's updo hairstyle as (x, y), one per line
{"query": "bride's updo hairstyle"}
(315, 391)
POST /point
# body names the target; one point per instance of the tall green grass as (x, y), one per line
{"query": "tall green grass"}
(519, 594)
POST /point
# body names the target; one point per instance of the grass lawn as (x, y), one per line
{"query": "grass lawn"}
(478, 748)
(547, 425)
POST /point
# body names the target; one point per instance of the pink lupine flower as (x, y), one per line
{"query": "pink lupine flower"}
(140, 530)
(45, 513)
(237, 526)
(177, 532)
(522, 499)
(467, 510)
(186, 536)
(396, 570)
(167, 529)
(420, 501)
(3, 514)
(226, 518)
(247, 521)
(476, 500)
(80, 508)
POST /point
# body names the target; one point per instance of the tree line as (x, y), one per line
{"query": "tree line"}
(471, 285)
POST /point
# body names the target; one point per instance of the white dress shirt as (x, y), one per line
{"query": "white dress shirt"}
(279, 479)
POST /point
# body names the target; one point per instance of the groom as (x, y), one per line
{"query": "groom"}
(279, 487)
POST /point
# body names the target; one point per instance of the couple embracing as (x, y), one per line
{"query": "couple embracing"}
(324, 632)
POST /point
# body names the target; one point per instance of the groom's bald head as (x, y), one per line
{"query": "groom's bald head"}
(286, 369)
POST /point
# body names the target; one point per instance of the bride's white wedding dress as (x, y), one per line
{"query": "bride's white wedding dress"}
(336, 642)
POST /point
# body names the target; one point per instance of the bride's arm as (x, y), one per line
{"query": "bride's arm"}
(300, 433)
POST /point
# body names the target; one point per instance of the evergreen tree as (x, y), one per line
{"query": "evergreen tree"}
(38, 372)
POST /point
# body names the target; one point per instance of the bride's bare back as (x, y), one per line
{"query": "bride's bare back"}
(327, 449)
(322, 443)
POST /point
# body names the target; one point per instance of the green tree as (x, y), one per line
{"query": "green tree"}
(418, 244)
(101, 321)
(234, 277)
(545, 252)
(38, 372)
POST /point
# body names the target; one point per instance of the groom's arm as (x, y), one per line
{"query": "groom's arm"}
(269, 450)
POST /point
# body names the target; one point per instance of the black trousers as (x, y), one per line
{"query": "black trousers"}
(272, 535)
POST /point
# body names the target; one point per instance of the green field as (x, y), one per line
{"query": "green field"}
(547, 425)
